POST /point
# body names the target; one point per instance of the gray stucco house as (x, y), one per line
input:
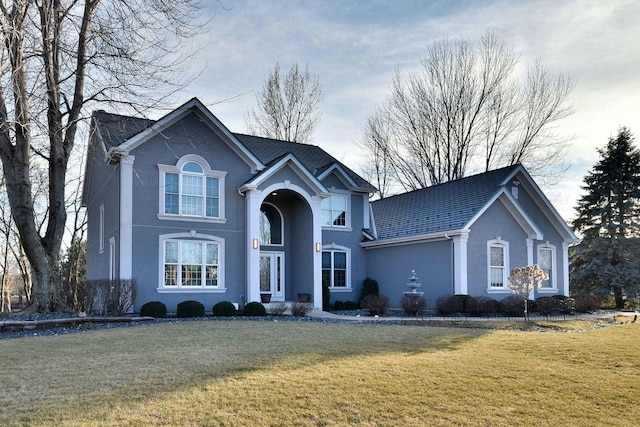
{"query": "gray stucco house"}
(191, 210)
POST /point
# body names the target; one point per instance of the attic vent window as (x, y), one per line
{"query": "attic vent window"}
(514, 188)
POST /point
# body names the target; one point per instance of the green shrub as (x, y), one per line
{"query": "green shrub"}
(301, 309)
(254, 309)
(154, 309)
(190, 308)
(224, 308)
(369, 287)
(326, 297)
(376, 305)
(413, 305)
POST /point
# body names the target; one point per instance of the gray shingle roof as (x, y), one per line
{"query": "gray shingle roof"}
(440, 208)
(314, 158)
(115, 129)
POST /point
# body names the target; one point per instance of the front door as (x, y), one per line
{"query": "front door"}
(272, 274)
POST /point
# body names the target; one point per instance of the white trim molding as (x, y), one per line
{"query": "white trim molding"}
(553, 277)
(498, 242)
(194, 237)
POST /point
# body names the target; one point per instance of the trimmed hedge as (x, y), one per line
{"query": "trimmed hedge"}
(154, 309)
(190, 308)
(254, 309)
(224, 308)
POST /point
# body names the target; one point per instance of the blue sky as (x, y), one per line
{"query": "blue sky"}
(354, 47)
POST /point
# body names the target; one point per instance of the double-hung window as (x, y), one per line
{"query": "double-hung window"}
(498, 265)
(191, 190)
(335, 211)
(191, 264)
(546, 257)
(335, 269)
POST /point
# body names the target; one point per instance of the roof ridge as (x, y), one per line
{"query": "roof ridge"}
(454, 181)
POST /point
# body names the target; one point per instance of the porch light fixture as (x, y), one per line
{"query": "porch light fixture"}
(255, 243)
(318, 247)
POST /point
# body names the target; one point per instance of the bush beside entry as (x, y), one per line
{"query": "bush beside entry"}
(224, 308)
(254, 309)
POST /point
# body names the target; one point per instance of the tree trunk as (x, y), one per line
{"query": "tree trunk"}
(617, 295)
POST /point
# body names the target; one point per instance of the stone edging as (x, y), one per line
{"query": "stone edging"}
(40, 325)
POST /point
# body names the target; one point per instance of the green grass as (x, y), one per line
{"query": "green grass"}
(311, 374)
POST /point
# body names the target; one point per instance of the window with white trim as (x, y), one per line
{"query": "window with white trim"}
(335, 268)
(191, 189)
(101, 228)
(498, 265)
(191, 264)
(335, 211)
(546, 262)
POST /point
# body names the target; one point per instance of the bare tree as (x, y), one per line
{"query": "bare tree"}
(465, 111)
(58, 58)
(287, 106)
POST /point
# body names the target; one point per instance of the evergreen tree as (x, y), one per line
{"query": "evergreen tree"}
(606, 261)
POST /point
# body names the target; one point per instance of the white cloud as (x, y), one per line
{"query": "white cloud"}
(355, 46)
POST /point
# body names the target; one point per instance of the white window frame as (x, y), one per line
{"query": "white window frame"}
(112, 259)
(207, 173)
(347, 220)
(553, 276)
(505, 274)
(336, 248)
(195, 238)
(101, 231)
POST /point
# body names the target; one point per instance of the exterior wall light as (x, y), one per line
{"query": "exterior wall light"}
(256, 244)
(318, 247)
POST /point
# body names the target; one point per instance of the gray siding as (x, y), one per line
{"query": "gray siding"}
(189, 136)
(495, 222)
(391, 267)
(104, 189)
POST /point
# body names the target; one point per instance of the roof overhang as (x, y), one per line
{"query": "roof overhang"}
(412, 240)
(516, 211)
(194, 106)
(344, 177)
(542, 202)
(292, 162)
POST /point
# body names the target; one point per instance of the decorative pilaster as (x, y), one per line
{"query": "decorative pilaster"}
(253, 202)
(126, 217)
(565, 269)
(460, 264)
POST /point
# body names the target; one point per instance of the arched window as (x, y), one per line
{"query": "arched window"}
(191, 189)
(497, 265)
(270, 225)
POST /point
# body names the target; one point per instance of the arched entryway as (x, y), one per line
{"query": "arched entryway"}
(286, 246)
(284, 234)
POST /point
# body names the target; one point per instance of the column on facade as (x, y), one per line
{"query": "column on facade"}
(126, 217)
(460, 264)
(316, 212)
(253, 201)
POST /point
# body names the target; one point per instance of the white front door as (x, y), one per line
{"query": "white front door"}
(272, 274)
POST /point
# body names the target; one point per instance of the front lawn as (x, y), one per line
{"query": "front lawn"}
(302, 373)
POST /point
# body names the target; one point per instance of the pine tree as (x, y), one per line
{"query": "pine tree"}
(606, 260)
